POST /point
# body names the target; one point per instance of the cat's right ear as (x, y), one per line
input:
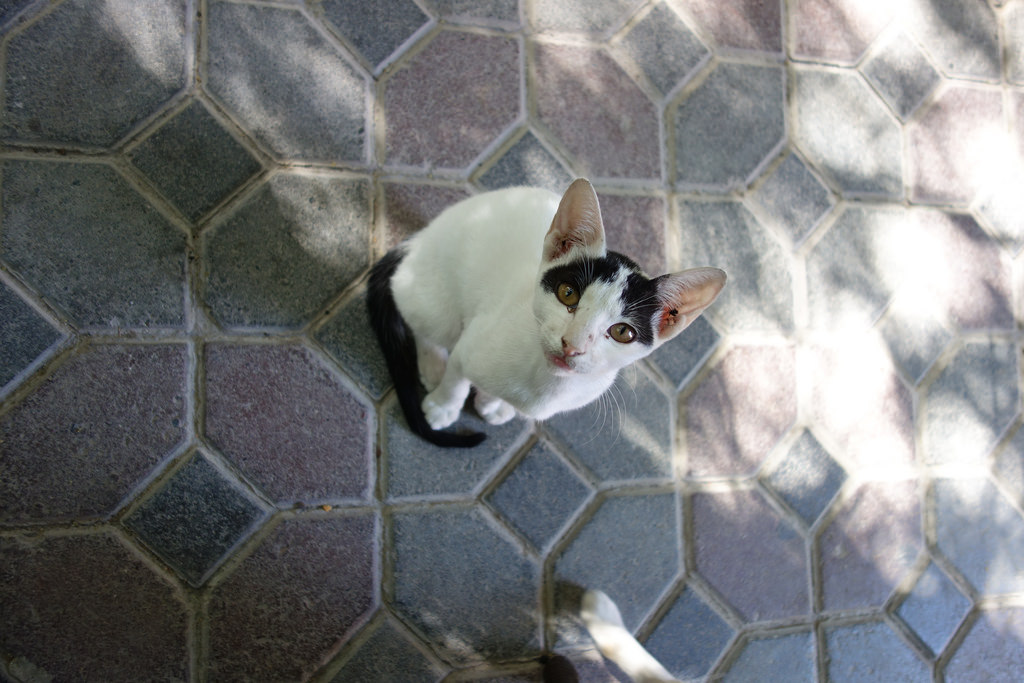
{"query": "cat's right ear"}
(577, 224)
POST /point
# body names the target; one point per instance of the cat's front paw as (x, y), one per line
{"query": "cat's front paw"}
(494, 410)
(439, 415)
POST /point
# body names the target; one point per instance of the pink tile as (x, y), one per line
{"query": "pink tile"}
(635, 226)
(741, 410)
(601, 116)
(750, 555)
(871, 545)
(282, 612)
(744, 24)
(287, 422)
(860, 403)
(452, 100)
(83, 608)
(957, 145)
(408, 208)
(837, 30)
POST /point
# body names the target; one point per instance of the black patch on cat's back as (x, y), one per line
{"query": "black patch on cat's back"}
(639, 300)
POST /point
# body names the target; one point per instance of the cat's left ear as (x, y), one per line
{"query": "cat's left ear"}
(577, 224)
(683, 297)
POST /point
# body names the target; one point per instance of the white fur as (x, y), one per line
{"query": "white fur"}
(469, 288)
(602, 618)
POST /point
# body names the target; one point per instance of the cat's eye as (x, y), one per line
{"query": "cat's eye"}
(568, 295)
(622, 333)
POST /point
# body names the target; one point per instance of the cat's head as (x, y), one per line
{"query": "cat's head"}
(597, 311)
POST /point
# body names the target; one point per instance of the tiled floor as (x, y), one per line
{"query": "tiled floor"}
(203, 473)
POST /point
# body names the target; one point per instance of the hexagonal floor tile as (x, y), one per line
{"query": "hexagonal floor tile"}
(807, 478)
(902, 74)
(681, 357)
(597, 112)
(349, 340)
(665, 48)
(991, 648)
(540, 496)
(971, 404)
(778, 658)
(871, 651)
(792, 199)
(981, 534)
(469, 591)
(728, 126)
(527, 162)
(915, 334)
(597, 17)
(837, 30)
(389, 654)
(77, 445)
(283, 611)
(934, 608)
(635, 226)
(859, 403)
(1013, 15)
(288, 423)
(376, 29)
(453, 69)
(409, 207)
(724, 234)
(844, 128)
(690, 637)
(85, 608)
(962, 36)
(1009, 466)
(288, 85)
(287, 250)
(84, 239)
(195, 518)
(750, 555)
(622, 530)
(870, 545)
(193, 161)
(88, 72)
(740, 24)
(740, 411)
(625, 434)
(495, 13)
(24, 335)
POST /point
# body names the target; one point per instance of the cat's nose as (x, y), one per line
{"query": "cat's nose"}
(569, 350)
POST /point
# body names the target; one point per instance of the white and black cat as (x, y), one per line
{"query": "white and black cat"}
(513, 293)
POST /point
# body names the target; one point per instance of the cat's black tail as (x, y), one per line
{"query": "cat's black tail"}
(399, 349)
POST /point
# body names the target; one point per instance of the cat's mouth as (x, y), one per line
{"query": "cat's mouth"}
(560, 362)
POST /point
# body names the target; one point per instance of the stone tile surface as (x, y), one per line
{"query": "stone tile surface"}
(89, 243)
(253, 391)
(727, 127)
(194, 161)
(82, 440)
(204, 474)
(287, 250)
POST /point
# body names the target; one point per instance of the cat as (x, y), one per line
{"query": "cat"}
(513, 293)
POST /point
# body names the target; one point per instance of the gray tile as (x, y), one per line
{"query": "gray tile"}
(981, 534)
(415, 468)
(683, 356)
(961, 35)
(468, 590)
(288, 85)
(1001, 206)
(527, 162)
(84, 239)
(376, 28)
(778, 658)
(1013, 15)
(970, 405)
(24, 334)
(915, 337)
(1009, 466)
(992, 648)
(193, 161)
(582, 16)
(625, 434)
(666, 49)
(87, 72)
(540, 495)
(350, 341)
(388, 655)
(793, 199)
(725, 234)
(844, 128)
(871, 652)
(902, 74)
(287, 250)
(628, 549)
(807, 478)
(934, 608)
(728, 126)
(484, 12)
(689, 638)
(195, 518)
